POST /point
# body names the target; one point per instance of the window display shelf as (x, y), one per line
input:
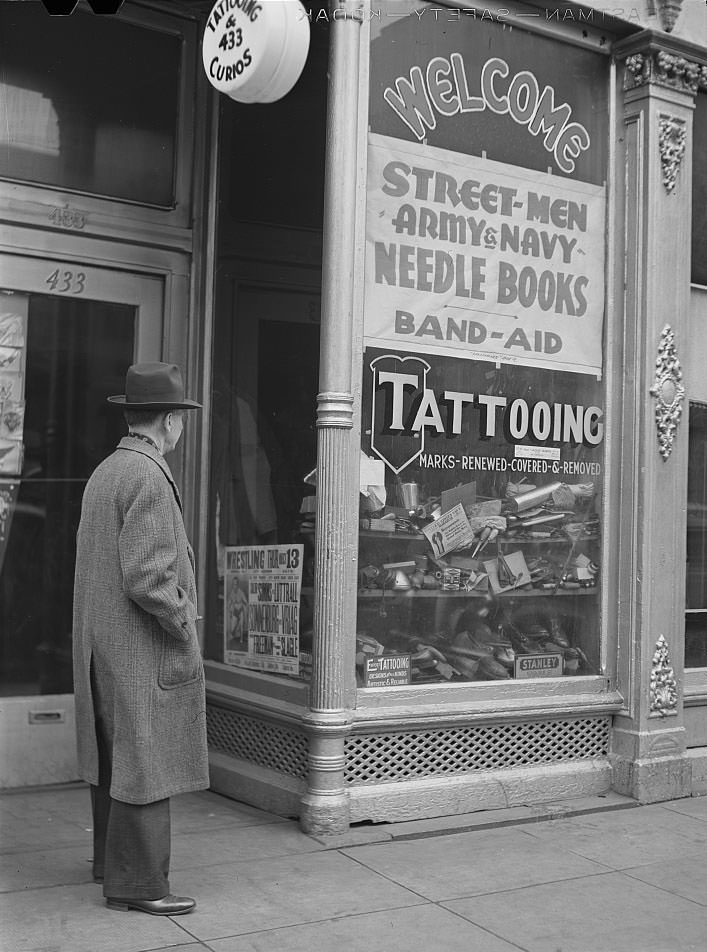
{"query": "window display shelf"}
(393, 534)
(508, 538)
(510, 605)
(550, 540)
(512, 593)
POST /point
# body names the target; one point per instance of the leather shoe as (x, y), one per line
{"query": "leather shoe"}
(166, 906)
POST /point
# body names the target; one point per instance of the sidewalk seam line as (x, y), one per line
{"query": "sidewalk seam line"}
(675, 895)
(503, 938)
(388, 878)
(313, 922)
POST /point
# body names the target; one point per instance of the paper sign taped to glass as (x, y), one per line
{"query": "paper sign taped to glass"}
(11, 358)
(12, 417)
(11, 424)
(372, 483)
(262, 588)
(9, 489)
(387, 671)
(11, 457)
(13, 321)
(472, 258)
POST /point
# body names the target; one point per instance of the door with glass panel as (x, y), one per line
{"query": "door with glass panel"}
(67, 334)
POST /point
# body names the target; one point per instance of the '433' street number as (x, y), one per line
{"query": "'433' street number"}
(67, 282)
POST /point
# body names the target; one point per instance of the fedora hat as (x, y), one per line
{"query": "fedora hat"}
(154, 386)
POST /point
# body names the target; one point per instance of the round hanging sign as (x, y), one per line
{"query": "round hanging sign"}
(255, 50)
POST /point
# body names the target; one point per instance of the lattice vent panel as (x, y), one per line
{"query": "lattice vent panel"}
(378, 758)
(259, 742)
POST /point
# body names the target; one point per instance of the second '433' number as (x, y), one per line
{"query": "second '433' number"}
(67, 282)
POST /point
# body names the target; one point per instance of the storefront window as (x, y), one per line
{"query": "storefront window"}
(93, 108)
(699, 191)
(265, 378)
(482, 409)
(264, 446)
(696, 601)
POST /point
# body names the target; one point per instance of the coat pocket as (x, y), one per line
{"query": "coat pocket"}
(179, 664)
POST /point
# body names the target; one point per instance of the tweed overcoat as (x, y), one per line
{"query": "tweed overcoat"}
(135, 625)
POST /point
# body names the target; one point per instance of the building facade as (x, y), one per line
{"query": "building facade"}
(443, 304)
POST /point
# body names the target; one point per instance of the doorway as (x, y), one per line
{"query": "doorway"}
(67, 335)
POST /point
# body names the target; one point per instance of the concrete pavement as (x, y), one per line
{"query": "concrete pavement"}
(602, 875)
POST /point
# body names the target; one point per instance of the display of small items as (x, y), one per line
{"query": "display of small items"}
(480, 643)
(483, 641)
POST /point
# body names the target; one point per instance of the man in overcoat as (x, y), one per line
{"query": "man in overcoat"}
(138, 672)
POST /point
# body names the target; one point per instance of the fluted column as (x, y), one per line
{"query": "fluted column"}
(325, 807)
(332, 550)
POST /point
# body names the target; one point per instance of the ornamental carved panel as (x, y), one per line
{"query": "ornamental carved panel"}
(672, 137)
(664, 691)
(668, 391)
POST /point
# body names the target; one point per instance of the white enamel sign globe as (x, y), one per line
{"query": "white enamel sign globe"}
(255, 50)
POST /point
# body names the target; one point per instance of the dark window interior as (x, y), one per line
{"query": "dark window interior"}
(75, 355)
(89, 105)
(699, 191)
(266, 335)
(696, 575)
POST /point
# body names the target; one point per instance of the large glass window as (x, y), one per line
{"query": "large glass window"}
(263, 448)
(59, 358)
(90, 104)
(696, 575)
(699, 191)
(265, 377)
(482, 410)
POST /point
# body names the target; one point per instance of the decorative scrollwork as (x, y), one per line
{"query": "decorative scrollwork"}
(664, 691)
(672, 137)
(668, 391)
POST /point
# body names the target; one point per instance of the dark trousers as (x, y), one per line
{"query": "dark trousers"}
(131, 846)
(131, 842)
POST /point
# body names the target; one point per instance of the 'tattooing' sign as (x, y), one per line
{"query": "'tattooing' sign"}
(255, 50)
